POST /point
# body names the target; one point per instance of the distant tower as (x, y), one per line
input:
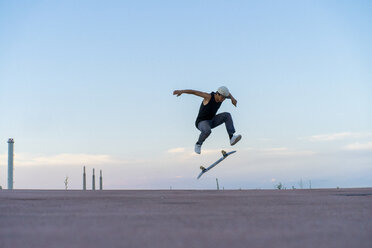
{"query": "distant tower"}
(10, 163)
(93, 181)
(84, 180)
(100, 180)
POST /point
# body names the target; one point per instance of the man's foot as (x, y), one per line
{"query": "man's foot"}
(235, 139)
(197, 148)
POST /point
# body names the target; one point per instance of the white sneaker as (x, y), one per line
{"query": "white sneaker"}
(197, 148)
(235, 139)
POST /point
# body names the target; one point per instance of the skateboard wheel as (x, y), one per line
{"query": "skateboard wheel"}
(223, 153)
(202, 168)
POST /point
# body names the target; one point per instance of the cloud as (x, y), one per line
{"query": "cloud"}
(25, 159)
(359, 147)
(187, 156)
(338, 136)
(178, 154)
(282, 151)
(177, 150)
(275, 150)
(190, 152)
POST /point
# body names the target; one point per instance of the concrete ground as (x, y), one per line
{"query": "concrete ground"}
(176, 218)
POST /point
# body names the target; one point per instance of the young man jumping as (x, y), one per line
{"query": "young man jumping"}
(207, 118)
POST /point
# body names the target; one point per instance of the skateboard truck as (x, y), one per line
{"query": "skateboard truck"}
(223, 153)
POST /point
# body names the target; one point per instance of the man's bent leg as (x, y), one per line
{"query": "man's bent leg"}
(224, 118)
(205, 128)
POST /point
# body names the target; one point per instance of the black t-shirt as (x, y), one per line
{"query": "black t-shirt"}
(207, 112)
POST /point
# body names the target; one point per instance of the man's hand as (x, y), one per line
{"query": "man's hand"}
(177, 92)
(234, 101)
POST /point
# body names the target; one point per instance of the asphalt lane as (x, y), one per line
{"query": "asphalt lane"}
(187, 218)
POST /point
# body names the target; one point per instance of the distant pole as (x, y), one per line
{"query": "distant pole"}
(10, 163)
(93, 182)
(84, 180)
(66, 182)
(100, 180)
(218, 186)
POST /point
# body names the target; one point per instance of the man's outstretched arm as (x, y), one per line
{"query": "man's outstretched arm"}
(193, 92)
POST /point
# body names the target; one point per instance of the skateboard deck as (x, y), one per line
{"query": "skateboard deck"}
(224, 155)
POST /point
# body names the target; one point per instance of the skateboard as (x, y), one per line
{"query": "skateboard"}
(224, 155)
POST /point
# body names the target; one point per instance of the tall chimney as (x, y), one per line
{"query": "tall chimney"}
(10, 163)
(93, 181)
(84, 180)
(100, 180)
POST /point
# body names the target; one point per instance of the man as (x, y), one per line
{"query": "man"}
(207, 118)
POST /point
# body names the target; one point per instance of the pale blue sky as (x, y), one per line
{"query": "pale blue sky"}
(90, 82)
